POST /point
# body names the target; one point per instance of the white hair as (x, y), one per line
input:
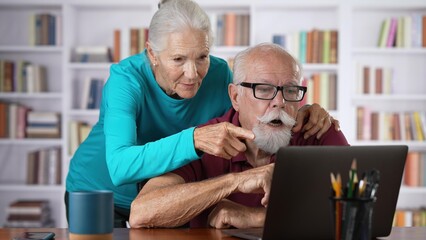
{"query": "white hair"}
(242, 60)
(270, 140)
(175, 16)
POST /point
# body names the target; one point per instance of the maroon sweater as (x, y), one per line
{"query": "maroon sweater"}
(211, 166)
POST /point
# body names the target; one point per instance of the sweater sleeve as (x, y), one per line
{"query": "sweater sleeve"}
(128, 162)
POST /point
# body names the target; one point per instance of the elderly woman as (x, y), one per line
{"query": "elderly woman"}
(151, 105)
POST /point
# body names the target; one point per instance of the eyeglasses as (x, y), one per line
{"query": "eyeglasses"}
(266, 91)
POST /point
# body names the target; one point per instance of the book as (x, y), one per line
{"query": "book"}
(334, 46)
(43, 125)
(378, 80)
(230, 28)
(418, 128)
(396, 122)
(238, 29)
(279, 39)
(326, 46)
(366, 80)
(411, 171)
(13, 117)
(424, 31)
(53, 166)
(374, 126)
(324, 90)
(407, 31)
(315, 44)
(408, 126)
(58, 30)
(400, 33)
(117, 44)
(332, 103)
(303, 47)
(320, 47)
(26, 207)
(92, 54)
(245, 39)
(392, 32)
(220, 30)
(134, 41)
(360, 111)
(8, 75)
(29, 213)
(384, 33)
(32, 167)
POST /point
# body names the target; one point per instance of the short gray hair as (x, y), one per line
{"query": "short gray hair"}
(242, 60)
(175, 16)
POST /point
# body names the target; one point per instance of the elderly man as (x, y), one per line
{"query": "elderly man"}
(221, 193)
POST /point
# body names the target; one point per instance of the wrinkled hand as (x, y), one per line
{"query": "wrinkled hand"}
(256, 180)
(319, 121)
(228, 213)
(221, 139)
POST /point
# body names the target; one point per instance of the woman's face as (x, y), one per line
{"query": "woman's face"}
(181, 67)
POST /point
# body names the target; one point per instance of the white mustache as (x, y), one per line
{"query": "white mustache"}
(277, 114)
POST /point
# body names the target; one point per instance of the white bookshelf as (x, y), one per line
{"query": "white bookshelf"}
(409, 85)
(91, 23)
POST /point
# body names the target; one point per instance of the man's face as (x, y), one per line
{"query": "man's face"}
(270, 120)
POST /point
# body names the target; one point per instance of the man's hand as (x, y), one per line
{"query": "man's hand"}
(319, 121)
(256, 180)
(221, 139)
(228, 213)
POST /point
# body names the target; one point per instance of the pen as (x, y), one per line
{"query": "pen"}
(336, 184)
(361, 186)
(339, 184)
(352, 174)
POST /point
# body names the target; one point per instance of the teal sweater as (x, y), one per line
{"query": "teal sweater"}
(142, 132)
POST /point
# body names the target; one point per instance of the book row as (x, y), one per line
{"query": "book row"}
(129, 41)
(389, 126)
(19, 121)
(321, 89)
(29, 213)
(374, 80)
(44, 167)
(231, 29)
(78, 132)
(92, 54)
(415, 169)
(315, 46)
(91, 93)
(45, 29)
(410, 218)
(403, 32)
(126, 42)
(22, 76)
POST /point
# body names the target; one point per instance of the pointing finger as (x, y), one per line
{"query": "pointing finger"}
(239, 132)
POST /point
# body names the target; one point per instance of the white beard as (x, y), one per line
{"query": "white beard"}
(269, 139)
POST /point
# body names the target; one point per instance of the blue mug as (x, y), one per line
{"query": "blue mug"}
(91, 215)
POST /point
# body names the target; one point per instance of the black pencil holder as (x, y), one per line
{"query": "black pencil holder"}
(352, 218)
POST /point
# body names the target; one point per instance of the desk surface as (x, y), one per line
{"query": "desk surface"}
(413, 233)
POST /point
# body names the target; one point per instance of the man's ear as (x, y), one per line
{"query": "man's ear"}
(233, 95)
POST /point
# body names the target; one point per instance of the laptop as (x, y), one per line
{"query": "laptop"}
(299, 205)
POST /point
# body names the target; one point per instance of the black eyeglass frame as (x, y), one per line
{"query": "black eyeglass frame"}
(278, 88)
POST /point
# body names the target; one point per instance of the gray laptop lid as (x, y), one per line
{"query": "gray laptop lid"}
(299, 206)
